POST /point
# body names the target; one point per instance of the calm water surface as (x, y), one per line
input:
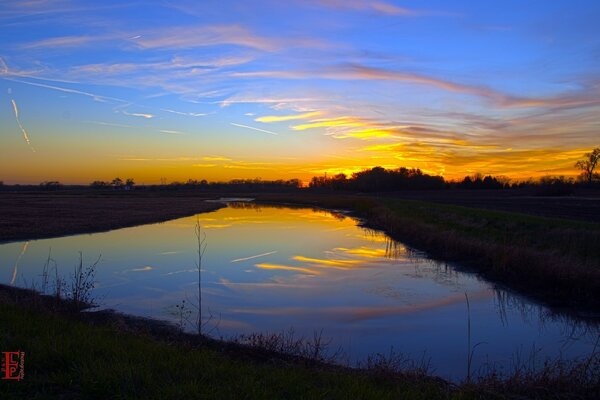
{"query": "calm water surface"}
(269, 269)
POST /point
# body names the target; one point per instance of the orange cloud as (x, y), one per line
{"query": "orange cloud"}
(279, 118)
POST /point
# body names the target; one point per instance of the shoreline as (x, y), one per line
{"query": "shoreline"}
(34, 216)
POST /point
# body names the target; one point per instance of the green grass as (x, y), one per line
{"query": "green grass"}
(67, 358)
(577, 239)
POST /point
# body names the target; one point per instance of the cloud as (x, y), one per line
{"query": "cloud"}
(96, 97)
(279, 118)
(353, 71)
(189, 114)
(63, 41)
(241, 99)
(367, 5)
(194, 36)
(140, 115)
(204, 165)
(216, 158)
(171, 132)
(108, 124)
(253, 128)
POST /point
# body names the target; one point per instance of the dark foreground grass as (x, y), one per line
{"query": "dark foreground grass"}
(68, 358)
(73, 355)
(35, 215)
(555, 260)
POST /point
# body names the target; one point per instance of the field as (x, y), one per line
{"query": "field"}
(35, 215)
(583, 205)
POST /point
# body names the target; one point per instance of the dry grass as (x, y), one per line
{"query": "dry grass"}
(35, 215)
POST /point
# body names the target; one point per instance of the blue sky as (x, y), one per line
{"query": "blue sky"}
(230, 89)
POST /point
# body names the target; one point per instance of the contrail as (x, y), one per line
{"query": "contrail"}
(14, 275)
(96, 97)
(253, 128)
(25, 136)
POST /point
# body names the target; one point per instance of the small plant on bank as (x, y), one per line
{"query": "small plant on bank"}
(82, 283)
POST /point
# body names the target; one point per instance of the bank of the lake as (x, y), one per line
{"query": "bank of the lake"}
(73, 355)
(46, 214)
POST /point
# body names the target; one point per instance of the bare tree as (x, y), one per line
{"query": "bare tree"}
(588, 164)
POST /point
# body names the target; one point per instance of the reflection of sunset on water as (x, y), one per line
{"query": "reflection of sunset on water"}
(272, 268)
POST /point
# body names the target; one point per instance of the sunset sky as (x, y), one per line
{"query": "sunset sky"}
(218, 90)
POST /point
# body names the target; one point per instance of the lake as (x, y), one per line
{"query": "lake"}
(271, 269)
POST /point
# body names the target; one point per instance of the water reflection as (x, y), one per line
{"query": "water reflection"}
(271, 268)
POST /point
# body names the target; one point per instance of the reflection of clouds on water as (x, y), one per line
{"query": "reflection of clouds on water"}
(168, 253)
(287, 268)
(139, 269)
(359, 313)
(253, 257)
(331, 263)
(326, 272)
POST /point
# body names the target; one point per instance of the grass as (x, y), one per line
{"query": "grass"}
(72, 355)
(554, 260)
(69, 358)
(35, 215)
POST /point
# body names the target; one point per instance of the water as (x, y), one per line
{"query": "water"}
(271, 269)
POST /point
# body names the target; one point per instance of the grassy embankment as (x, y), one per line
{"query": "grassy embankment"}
(555, 260)
(70, 355)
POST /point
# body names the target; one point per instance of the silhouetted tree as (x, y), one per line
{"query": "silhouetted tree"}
(117, 183)
(379, 179)
(50, 185)
(129, 183)
(99, 184)
(588, 165)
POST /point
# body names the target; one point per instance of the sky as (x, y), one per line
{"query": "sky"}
(218, 90)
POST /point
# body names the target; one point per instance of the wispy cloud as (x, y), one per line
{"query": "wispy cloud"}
(216, 158)
(108, 124)
(352, 71)
(96, 97)
(243, 99)
(140, 115)
(62, 41)
(279, 118)
(171, 132)
(253, 128)
(189, 114)
(195, 36)
(368, 5)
